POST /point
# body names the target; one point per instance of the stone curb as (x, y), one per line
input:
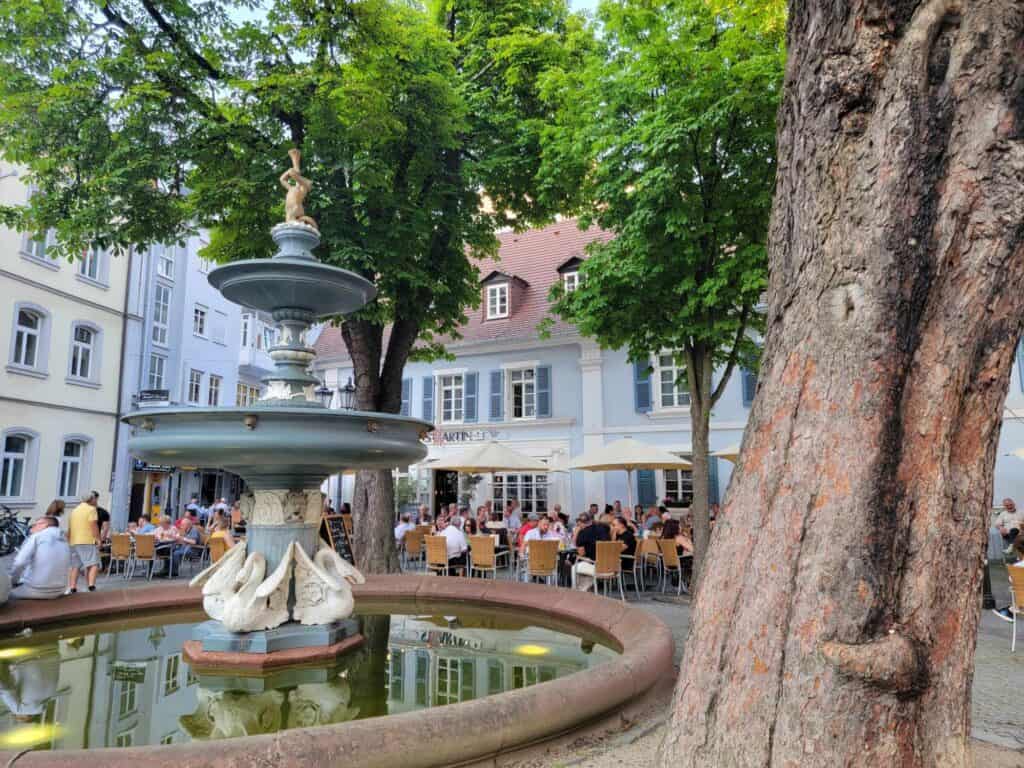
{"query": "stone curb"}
(459, 733)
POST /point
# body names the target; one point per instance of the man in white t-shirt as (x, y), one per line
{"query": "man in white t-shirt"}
(1007, 521)
(456, 544)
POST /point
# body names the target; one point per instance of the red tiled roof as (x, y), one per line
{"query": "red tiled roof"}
(533, 256)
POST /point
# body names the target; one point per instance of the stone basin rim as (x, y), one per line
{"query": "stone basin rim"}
(315, 412)
(419, 739)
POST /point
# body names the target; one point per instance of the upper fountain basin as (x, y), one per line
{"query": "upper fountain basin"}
(276, 447)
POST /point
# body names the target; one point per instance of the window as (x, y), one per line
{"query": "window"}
(82, 341)
(422, 679)
(246, 394)
(531, 491)
(125, 739)
(195, 384)
(452, 402)
(247, 321)
(36, 247)
(204, 265)
(172, 665)
(26, 338)
(89, 266)
(126, 699)
(199, 320)
(395, 660)
(12, 471)
(161, 308)
(164, 261)
(570, 281)
(269, 337)
(218, 327)
(156, 371)
(523, 676)
(672, 391)
(70, 469)
(497, 301)
(523, 393)
(679, 486)
(455, 681)
(495, 677)
(214, 393)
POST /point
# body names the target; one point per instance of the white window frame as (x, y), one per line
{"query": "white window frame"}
(526, 485)
(90, 265)
(125, 739)
(79, 349)
(34, 250)
(455, 384)
(156, 378)
(39, 366)
(681, 395)
(127, 699)
(27, 338)
(164, 261)
(213, 387)
(679, 478)
(161, 314)
(529, 409)
(171, 681)
(498, 294)
(200, 317)
(248, 323)
(27, 486)
(81, 465)
(571, 281)
(194, 389)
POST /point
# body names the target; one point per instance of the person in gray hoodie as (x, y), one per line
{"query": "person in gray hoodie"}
(41, 566)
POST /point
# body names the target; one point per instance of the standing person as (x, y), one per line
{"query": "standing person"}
(222, 530)
(513, 517)
(41, 566)
(84, 538)
(103, 518)
(456, 544)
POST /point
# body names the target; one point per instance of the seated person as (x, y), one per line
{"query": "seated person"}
(144, 526)
(41, 566)
(456, 545)
(672, 530)
(403, 528)
(222, 530)
(190, 536)
(525, 528)
(588, 533)
(543, 531)
(1006, 614)
(623, 533)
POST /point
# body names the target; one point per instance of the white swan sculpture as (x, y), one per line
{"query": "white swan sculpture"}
(236, 594)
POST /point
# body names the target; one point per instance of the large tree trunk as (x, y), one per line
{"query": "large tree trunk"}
(699, 369)
(836, 618)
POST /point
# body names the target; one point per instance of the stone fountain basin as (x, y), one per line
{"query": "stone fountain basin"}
(275, 447)
(473, 732)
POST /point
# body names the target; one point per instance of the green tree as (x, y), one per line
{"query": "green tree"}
(139, 120)
(666, 138)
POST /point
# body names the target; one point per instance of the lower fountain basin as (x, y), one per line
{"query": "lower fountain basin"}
(276, 446)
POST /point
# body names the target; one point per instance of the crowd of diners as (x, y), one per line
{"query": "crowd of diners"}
(577, 539)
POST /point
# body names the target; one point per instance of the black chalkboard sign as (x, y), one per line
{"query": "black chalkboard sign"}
(332, 528)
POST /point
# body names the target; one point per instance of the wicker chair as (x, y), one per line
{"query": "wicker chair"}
(670, 563)
(412, 548)
(1016, 574)
(145, 552)
(120, 552)
(437, 554)
(483, 557)
(542, 560)
(608, 566)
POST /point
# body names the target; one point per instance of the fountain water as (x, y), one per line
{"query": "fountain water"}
(283, 588)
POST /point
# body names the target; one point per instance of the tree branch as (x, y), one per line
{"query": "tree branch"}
(731, 364)
(893, 663)
(180, 42)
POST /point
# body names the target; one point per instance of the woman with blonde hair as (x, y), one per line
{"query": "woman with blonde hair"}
(221, 530)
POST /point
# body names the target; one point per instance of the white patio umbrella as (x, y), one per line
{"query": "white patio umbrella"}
(730, 453)
(630, 455)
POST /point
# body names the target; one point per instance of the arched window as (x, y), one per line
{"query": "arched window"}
(84, 360)
(14, 465)
(26, 338)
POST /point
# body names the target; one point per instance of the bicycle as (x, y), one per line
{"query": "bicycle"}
(13, 532)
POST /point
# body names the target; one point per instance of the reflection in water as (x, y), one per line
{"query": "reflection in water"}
(132, 687)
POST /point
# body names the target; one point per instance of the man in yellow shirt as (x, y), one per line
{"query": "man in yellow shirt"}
(84, 538)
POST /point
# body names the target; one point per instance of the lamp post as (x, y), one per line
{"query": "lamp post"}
(348, 395)
(324, 395)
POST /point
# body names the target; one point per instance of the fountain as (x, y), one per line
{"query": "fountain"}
(283, 589)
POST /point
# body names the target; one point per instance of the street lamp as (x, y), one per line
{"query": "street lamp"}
(324, 395)
(348, 395)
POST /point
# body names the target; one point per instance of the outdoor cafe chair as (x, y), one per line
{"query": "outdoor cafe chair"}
(120, 552)
(670, 563)
(412, 547)
(1016, 574)
(648, 557)
(608, 566)
(437, 554)
(145, 552)
(482, 556)
(542, 560)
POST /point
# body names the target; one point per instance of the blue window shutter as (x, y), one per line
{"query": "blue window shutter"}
(428, 398)
(469, 390)
(646, 488)
(642, 387)
(712, 480)
(749, 386)
(406, 409)
(497, 396)
(544, 392)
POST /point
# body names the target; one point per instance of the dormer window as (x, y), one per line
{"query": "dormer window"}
(497, 301)
(571, 281)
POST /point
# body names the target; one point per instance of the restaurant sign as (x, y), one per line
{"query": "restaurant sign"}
(129, 672)
(444, 436)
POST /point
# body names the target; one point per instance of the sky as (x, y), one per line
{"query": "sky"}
(580, 5)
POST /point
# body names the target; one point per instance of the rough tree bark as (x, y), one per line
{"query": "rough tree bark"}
(837, 614)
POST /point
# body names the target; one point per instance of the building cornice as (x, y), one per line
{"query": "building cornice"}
(64, 294)
(57, 406)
